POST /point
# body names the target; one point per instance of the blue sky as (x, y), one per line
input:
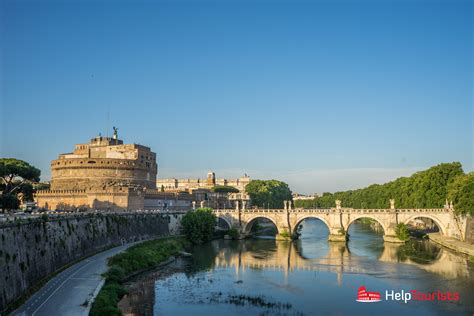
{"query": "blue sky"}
(324, 95)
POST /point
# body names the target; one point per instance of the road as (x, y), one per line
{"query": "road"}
(66, 293)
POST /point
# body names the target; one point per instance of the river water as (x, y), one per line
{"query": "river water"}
(310, 276)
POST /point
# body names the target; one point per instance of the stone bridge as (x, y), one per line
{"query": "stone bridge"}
(339, 219)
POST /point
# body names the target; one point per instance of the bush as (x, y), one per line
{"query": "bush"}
(401, 231)
(198, 225)
(285, 234)
(233, 233)
(115, 274)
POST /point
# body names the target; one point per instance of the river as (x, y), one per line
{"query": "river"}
(310, 276)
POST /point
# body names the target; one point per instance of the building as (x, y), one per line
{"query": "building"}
(297, 196)
(174, 185)
(107, 174)
(104, 162)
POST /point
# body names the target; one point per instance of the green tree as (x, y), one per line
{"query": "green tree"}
(461, 192)
(424, 189)
(268, 193)
(9, 202)
(16, 176)
(198, 225)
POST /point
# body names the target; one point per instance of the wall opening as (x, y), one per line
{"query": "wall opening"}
(312, 238)
(261, 227)
(366, 237)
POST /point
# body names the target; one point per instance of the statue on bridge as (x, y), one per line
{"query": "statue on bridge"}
(392, 204)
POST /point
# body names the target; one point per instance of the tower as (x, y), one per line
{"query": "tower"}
(211, 178)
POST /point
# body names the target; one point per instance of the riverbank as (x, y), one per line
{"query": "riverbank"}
(67, 292)
(134, 260)
(453, 244)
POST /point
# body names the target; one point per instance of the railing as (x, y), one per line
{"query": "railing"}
(335, 210)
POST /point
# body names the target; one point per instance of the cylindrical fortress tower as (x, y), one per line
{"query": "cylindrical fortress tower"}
(104, 162)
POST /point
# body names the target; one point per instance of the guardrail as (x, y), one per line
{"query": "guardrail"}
(335, 210)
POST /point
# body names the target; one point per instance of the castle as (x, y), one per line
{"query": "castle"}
(107, 174)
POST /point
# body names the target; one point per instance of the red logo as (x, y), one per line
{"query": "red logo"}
(367, 297)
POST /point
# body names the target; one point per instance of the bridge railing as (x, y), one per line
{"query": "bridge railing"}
(335, 210)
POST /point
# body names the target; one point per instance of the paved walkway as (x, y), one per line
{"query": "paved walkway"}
(452, 243)
(66, 293)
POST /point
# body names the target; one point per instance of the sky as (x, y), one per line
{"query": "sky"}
(325, 95)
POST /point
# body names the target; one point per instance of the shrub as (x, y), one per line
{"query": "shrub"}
(285, 234)
(115, 273)
(198, 225)
(401, 231)
(233, 233)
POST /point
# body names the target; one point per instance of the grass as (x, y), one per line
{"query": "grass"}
(138, 258)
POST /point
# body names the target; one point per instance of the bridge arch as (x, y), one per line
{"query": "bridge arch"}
(441, 227)
(225, 219)
(375, 218)
(250, 221)
(321, 218)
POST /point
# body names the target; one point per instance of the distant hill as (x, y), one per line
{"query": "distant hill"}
(424, 189)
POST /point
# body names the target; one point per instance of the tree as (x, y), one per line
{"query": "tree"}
(268, 193)
(424, 189)
(198, 225)
(16, 176)
(461, 193)
(224, 189)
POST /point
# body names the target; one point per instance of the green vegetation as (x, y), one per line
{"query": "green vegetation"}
(268, 193)
(285, 234)
(424, 189)
(224, 189)
(16, 177)
(401, 231)
(233, 233)
(198, 225)
(461, 192)
(471, 258)
(367, 220)
(419, 252)
(135, 259)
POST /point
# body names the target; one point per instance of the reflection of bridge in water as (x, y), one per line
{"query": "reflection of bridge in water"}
(286, 256)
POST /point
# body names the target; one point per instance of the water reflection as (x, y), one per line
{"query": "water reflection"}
(307, 276)
(313, 252)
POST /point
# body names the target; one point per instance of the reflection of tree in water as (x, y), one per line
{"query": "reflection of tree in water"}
(419, 251)
(203, 257)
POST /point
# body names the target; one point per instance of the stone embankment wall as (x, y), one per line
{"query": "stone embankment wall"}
(32, 250)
